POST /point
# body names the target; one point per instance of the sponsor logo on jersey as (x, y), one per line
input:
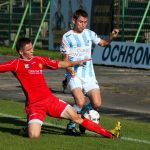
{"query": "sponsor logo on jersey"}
(26, 66)
(35, 72)
(40, 66)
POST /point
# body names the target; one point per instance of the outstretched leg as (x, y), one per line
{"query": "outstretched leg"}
(91, 126)
(70, 113)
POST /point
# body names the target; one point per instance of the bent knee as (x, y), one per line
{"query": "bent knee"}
(80, 105)
(97, 105)
(34, 130)
(33, 135)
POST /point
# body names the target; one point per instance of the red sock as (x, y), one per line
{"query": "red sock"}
(92, 126)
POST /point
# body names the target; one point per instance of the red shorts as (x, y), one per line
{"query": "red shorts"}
(51, 106)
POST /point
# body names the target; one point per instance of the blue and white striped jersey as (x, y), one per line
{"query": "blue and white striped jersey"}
(78, 47)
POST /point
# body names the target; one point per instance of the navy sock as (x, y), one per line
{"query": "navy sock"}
(86, 108)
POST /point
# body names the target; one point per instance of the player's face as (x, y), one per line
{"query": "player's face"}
(80, 24)
(27, 52)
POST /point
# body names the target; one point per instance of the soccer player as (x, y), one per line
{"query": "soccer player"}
(40, 101)
(76, 45)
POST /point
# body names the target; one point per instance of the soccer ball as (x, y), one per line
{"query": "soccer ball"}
(92, 115)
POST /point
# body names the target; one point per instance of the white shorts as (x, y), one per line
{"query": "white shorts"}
(86, 86)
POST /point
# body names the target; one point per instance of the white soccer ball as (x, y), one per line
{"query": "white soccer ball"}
(92, 115)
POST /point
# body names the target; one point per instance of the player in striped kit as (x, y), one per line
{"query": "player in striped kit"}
(76, 45)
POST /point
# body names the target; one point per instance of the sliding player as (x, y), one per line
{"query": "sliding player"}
(40, 101)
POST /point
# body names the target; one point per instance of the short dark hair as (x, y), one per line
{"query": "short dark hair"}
(21, 43)
(80, 12)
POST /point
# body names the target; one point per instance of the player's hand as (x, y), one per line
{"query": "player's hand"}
(81, 62)
(114, 33)
(72, 73)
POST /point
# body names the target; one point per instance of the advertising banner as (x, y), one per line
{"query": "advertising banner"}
(124, 54)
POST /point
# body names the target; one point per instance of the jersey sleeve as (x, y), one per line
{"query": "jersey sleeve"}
(95, 38)
(49, 63)
(64, 47)
(10, 65)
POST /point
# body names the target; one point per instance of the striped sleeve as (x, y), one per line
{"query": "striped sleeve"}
(95, 38)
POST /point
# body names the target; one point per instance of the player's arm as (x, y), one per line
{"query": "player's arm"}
(69, 69)
(113, 35)
(64, 48)
(66, 64)
(8, 66)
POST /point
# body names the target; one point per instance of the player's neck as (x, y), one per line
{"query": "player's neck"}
(77, 31)
(26, 58)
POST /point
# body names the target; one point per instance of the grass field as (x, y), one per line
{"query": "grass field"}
(135, 134)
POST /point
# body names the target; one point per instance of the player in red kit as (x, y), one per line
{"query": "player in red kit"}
(40, 101)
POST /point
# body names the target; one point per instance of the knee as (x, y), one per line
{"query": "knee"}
(97, 105)
(80, 104)
(33, 135)
(34, 130)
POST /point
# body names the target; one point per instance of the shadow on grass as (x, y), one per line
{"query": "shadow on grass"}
(14, 126)
(52, 130)
(11, 125)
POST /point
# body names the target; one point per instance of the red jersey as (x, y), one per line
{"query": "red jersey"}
(30, 75)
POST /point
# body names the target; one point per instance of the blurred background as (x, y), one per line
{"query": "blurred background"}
(45, 21)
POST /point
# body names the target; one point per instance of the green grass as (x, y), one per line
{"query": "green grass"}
(42, 52)
(52, 136)
(135, 134)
